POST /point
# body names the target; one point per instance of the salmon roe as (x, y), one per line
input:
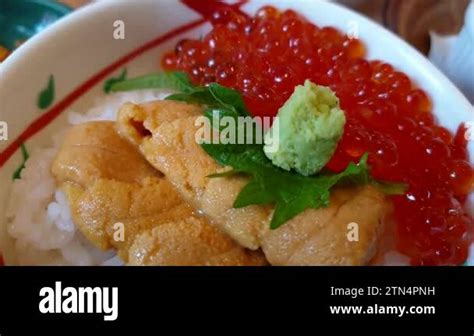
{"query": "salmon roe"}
(264, 57)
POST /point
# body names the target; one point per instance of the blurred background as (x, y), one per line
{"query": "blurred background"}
(414, 19)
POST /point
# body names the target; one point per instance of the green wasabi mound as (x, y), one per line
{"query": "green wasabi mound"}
(309, 126)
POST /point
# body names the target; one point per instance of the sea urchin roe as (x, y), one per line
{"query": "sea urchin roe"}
(266, 56)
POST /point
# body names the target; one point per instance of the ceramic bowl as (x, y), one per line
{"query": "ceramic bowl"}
(80, 53)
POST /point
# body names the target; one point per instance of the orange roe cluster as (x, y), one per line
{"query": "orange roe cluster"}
(264, 57)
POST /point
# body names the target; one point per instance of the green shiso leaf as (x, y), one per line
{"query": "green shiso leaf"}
(178, 81)
(114, 80)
